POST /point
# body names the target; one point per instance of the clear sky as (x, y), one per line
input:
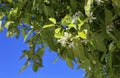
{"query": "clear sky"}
(11, 50)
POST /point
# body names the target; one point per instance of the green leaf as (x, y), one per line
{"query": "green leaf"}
(118, 43)
(40, 51)
(82, 23)
(1, 26)
(25, 66)
(55, 60)
(108, 17)
(110, 56)
(73, 4)
(88, 7)
(111, 47)
(49, 25)
(98, 41)
(69, 63)
(48, 11)
(27, 34)
(36, 66)
(24, 33)
(53, 20)
(79, 67)
(10, 1)
(116, 2)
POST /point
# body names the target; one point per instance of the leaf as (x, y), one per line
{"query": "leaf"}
(40, 51)
(73, 4)
(82, 23)
(88, 7)
(58, 33)
(28, 34)
(118, 43)
(10, 1)
(98, 41)
(49, 25)
(55, 60)
(36, 66)
(66, 20)
(108, 17)
(111, 47)
(48, 11)
(0, 25)
(25, 66)
(8, 23)
(69, 63)
(110, 56)
(53, 20)
(72, 25)
(24, 33)
(82, 35)
(79, 67)
(116, 2)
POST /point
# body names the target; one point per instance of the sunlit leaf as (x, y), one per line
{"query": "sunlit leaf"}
(8, 23)
(27, 34)
(87, 7)
(58, 33)
(53, 20)
(49, 25)
(82, 35)
(10, 1)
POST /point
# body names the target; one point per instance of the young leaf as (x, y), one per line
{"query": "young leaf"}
(49, 25)
(82, 35)
(58, 33)
(53, 20)
(8, 23)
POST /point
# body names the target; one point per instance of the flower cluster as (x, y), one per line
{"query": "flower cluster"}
(66, 40)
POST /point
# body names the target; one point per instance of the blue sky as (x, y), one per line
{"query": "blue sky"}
(11, 50)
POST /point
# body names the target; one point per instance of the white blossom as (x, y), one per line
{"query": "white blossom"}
(64, 41)
(91, 17)
(71, 45)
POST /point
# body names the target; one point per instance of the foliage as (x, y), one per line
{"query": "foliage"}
(85, 32)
